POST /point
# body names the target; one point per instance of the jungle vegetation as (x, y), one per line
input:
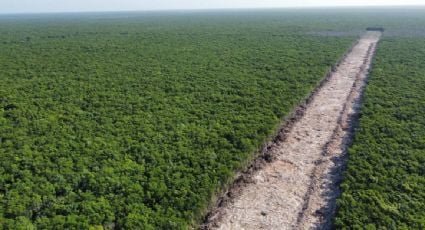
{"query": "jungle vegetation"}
(384, 185)
(135, 120)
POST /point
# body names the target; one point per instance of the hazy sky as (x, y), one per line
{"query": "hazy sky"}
(19, 6)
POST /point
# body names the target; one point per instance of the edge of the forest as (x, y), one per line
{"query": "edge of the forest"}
(209, 218)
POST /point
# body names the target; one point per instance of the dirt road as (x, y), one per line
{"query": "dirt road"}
(298, 189)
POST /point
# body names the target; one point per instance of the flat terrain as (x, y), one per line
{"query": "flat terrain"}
(135, 121)
(384, 184)
(286, 194)
(139, 120)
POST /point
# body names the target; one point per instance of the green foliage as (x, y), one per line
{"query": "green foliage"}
(135, 120)
(384, 185)
(134, 123)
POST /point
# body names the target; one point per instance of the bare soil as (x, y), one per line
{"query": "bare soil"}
(295, 184)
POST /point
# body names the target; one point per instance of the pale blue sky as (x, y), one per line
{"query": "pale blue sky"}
(25, 6)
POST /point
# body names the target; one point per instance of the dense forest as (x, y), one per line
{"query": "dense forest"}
(384, 185)
(134, 123)
(136, 120)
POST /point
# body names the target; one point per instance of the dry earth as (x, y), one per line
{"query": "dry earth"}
(298, 189)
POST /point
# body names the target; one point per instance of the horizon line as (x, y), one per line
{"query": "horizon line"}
(210, 9)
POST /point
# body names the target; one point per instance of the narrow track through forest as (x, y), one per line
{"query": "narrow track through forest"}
(298, 189)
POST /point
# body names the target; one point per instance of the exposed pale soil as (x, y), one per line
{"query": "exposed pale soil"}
(298, 188)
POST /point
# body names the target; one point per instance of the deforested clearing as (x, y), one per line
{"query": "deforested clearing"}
(385, 178)
(135, 123)
(286, 194)
(143, 120)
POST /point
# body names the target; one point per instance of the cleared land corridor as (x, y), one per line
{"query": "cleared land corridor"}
(297, 190)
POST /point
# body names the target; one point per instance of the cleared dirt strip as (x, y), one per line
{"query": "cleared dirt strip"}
(297, 190)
